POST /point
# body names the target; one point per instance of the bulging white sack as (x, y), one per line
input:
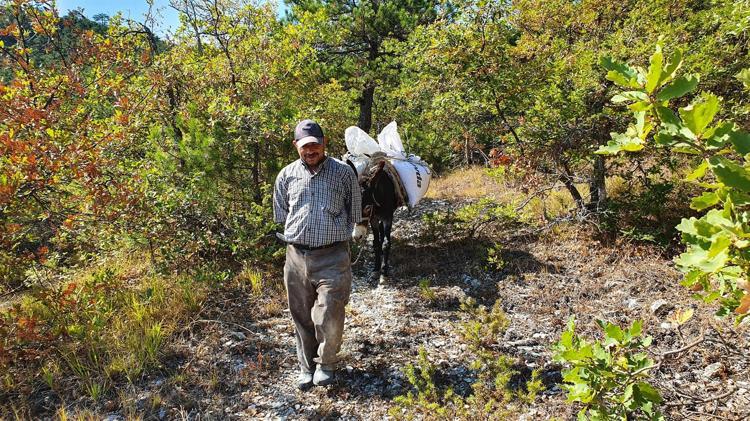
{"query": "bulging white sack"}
(415, 176)
(390, 141)
(358, 142)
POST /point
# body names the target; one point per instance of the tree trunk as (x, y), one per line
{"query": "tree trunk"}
(567, 179)
(256, 170)
(467, 151)
(500, 112)
(177, 134)
(597, 187)
(365, 108)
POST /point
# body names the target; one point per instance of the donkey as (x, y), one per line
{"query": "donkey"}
(379, 202)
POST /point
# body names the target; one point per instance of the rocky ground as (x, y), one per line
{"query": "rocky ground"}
(238, 360)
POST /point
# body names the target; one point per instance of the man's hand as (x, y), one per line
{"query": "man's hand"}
(280, 236)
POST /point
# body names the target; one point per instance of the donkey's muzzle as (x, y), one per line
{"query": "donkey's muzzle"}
(359, 232)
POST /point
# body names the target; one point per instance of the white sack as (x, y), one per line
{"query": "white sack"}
(390, 141)
(413, 173)
(358, 142)
(415, 176)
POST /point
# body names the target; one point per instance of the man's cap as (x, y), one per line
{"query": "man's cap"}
(308, 131)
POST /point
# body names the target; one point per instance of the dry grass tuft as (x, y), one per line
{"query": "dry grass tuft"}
(101, 328)
(471, 182)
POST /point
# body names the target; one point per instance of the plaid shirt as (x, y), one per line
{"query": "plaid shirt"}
(317, 209)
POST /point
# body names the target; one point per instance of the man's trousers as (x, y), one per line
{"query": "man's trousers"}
(318, 284)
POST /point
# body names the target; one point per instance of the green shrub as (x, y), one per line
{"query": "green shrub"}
(467, 220)
(498, 391)
(425, 399)
(609, 377)
(425, 291)
(494, 257)
(716, 258)
(96, 331)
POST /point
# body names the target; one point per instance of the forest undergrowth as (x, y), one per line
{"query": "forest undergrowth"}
(466, 327)
(584, 249)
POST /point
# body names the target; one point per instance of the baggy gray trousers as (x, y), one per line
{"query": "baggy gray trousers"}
(318, 284)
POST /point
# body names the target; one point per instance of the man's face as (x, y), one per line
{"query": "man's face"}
(312, 153)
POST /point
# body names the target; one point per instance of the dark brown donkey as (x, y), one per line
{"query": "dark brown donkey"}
(379, 202)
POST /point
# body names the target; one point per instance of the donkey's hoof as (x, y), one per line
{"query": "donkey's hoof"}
(383, 280)
(374, 278)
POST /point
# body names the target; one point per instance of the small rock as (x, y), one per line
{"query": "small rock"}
(472, 282)
(141, 401)
(238, 335)
(660, 307)
(713, 370)
(113, 417)
(238, 365)
(632, 304)
(666, 325)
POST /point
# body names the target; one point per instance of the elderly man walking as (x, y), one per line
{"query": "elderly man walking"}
(318, 200)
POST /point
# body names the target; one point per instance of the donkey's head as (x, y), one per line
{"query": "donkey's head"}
(368, 184)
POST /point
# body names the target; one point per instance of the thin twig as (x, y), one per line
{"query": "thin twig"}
(727, 344)
(13, 291)
(701, 415)
(641, 370)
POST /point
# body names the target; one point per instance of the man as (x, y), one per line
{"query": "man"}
(318, 200)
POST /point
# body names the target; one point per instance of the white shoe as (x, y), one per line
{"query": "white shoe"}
(323, 377)
(304, 380)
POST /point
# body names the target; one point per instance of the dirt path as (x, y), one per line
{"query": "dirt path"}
(385, 327)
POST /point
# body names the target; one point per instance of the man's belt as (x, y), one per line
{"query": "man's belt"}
(308, 248)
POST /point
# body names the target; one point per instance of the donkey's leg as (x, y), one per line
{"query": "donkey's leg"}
(377, 246)
(387, 224)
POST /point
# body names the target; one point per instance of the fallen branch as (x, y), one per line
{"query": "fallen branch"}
(520, 342)
(686, 347)
(702, 401)
(224, 323)
(530, 197)
(727, 344)
(701, 415)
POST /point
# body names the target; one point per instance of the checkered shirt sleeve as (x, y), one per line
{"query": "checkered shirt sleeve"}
(317, 209)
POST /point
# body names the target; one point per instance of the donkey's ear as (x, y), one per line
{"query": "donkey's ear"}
(351, 164)
(377, 169)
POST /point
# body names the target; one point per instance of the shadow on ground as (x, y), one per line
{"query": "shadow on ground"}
(461, 262)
